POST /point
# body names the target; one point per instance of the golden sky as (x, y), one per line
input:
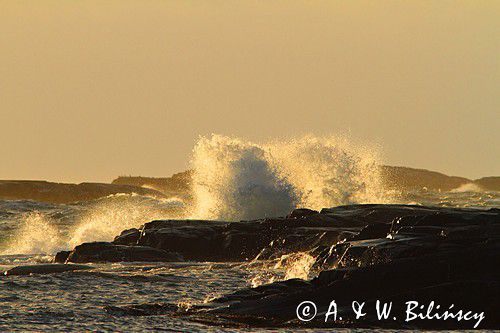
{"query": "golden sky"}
(90, 90)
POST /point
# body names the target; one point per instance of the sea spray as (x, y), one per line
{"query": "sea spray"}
(467, 187)
(43, 232)
(235, 179)
(37, 234)
(289, 266)
(297, 265)
(107, 217)
(329, 171)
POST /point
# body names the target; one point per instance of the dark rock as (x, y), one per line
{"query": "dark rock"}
(44, 269)
(128, 237)
(375, 230)
(427, 254)
(61, 257)
(109, 252)
(302, 212)
(195, 240)
(307, 231)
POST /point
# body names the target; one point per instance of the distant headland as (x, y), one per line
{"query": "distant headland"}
(179, 184)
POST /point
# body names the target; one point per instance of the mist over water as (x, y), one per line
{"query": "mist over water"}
(236, 179)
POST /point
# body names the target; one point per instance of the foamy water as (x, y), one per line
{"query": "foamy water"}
(233, 179)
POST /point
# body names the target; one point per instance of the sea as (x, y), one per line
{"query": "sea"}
(234, 180)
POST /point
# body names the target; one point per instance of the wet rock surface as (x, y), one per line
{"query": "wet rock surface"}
(443, 255)
(391, 253)
(302, 230)
(109, 252)
(45, 269)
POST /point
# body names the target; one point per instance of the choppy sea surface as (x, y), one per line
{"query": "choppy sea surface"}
(31, 232)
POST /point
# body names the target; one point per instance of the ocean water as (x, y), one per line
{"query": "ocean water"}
(74, 301)
(233, 180)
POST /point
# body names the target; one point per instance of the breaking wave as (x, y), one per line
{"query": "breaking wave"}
(236, 179)
(37, 234)
(48, 231)
(233, 179)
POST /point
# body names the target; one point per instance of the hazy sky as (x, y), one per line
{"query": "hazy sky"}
(90, 90)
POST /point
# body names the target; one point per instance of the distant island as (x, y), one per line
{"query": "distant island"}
(179, 184)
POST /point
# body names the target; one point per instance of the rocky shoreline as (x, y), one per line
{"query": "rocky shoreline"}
(393, 253)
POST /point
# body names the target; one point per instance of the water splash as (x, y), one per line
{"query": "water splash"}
(236, 179)
(289, 266)
(297, 265)
(99, 220)
(37, 234)
(329, 171)
(107, 217)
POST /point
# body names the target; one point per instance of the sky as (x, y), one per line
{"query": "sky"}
(90, 90)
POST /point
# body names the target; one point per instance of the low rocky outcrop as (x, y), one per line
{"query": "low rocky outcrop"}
(109, 252)
(404, 178)
(45, 269)
(447, 256)
(301, 231)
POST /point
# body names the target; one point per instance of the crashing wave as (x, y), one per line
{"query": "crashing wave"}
(236, 179)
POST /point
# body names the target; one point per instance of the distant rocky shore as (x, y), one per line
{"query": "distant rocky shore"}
(400, 178)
